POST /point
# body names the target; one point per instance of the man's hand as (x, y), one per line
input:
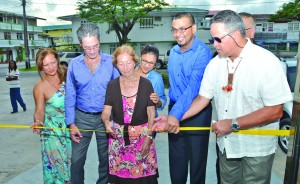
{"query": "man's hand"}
(160, 123)
(75, 133)
(222, 127)
(110, 127)
(172, 125)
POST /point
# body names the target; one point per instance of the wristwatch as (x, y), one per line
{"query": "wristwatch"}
(235, 125)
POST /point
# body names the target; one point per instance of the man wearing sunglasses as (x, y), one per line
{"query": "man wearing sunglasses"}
(187, 62)
(249, 88)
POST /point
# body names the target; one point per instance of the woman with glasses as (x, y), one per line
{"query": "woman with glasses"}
(49, 96)
(149, 57)
(131, 150)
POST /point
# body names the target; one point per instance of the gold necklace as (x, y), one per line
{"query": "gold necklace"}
(228, 87)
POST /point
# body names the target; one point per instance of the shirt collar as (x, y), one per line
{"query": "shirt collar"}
(103, 57)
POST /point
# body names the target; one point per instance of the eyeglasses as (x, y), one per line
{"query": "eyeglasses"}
(145, 62)
(219, 40)
(180, 30)
(95, 47)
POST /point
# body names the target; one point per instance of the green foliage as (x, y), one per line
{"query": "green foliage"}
(119, 14)
(165, 77)
(288, 11)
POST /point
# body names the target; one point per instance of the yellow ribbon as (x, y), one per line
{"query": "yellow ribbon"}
(248, 132)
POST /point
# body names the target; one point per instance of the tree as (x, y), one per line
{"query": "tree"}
(288, 11)
(121, 15)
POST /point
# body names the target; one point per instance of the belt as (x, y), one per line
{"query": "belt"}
(91, 113)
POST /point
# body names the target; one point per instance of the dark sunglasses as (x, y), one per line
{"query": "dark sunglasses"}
(219, 40)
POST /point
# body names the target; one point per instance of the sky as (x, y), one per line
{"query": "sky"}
(51, 9)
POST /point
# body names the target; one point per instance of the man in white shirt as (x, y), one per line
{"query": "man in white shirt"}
(249, 88)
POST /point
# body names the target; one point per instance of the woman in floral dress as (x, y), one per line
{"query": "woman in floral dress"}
(132, 154)
(49, 95)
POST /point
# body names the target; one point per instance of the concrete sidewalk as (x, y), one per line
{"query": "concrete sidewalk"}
(34, 175)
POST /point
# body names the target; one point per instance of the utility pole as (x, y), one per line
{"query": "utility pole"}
(25, 35)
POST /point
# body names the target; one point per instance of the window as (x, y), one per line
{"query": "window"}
(3, 18)
(270, 27)
(7, 36)
(157, 19)
(296, 26)
(112, 48)
(14, 20)
(293, 26)
(19, 36)
(146, 23)
(67, 38)
(142, 45)
(290, 26)
(267, 26)
(31, 36)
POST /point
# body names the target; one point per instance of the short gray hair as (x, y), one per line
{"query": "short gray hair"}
(247, 15)
(232, 21)
(88, 30)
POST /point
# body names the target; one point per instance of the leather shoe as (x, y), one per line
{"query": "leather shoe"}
(14, 112)
(24, 109)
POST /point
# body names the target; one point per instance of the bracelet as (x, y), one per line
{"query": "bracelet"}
(149, 136)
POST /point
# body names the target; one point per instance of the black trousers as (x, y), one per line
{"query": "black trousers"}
(190, 148)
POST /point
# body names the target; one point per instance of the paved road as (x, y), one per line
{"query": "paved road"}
(20, 156)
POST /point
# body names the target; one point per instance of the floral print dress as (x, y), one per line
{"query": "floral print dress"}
(126, 164)
(56, 142)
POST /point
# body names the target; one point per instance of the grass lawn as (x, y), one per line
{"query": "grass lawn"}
(33, 68)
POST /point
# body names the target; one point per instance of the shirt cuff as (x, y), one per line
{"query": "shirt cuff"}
(176, 113)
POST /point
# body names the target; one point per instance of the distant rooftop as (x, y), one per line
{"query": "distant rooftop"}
(168, 11)
(19, 15)
(57, 27)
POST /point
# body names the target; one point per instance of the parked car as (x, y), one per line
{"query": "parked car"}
(162, 60)
(160, 63)
(285, 121)
(66, 57)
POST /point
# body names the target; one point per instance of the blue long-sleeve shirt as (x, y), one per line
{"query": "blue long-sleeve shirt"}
(185, 75)
(86, 90)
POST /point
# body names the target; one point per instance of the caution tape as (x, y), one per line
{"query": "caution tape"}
(261, 132)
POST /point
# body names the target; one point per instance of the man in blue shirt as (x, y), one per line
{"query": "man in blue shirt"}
(187, 63)
(87, 79)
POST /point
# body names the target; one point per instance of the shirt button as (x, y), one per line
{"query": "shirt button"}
(225, 110)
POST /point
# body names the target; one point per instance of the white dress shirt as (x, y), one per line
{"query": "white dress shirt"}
(258, 81)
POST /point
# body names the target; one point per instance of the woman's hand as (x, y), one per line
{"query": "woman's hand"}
(34, 126)
(146, 146)
(155, 98)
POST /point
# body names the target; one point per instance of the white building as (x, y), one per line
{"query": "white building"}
(146, 32)
(12, 36)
